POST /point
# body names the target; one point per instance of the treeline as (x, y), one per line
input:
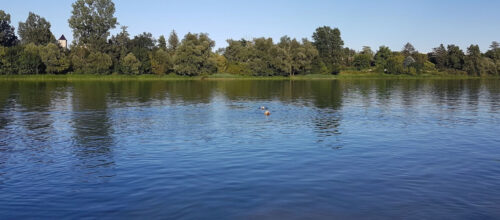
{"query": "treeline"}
(34, 50)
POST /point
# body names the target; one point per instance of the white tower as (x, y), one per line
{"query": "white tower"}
(63, 42)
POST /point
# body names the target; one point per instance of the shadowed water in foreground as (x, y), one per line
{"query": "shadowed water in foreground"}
(371, 149)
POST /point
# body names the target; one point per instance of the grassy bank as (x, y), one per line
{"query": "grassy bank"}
(224, 76)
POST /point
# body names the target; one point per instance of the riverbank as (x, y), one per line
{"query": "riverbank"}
(224, 76)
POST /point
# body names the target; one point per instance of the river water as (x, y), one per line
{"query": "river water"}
(363, 149)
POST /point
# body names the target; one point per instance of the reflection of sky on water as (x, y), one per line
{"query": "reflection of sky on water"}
(195, 141)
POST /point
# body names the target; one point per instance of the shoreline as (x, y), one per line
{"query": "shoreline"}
(173, 77)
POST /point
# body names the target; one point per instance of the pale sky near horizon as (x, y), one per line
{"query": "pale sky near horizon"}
(424, 23)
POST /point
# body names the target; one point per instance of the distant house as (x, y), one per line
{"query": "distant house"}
(63, 42)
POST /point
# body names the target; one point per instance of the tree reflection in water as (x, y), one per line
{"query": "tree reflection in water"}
(92, 130)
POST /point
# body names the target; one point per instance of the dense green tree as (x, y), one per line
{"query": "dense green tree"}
(78, 58)
(421, 60)
(54, 59)
(241, 68)
(262, 57)
(161, 62)
(348, 56)
(3, 51)
(304, 57)
(91, 22)
(260, 62)
(193, 55)
(238, 54)
(439, 56)
(35, 30)
(362, 61)
(93, 52)
(121, 40)
(144, 41)
(494, 55)
(85, 61)
(238, 50)
(173, 42)
(292, 57)
(99, 63)
(473, 61)
(282, 56)
(142, 45)
(319, 67)
(395, 64)
(455, 57)
(9, 60)
(30, 61)
(381, 57)
(162, 43)
(8, 37)
(494, 52)
(221, 62)
(329, 44)
(489, 66)
(119, 47)
(130, 64)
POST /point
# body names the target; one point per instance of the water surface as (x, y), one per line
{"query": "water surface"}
(415, 149)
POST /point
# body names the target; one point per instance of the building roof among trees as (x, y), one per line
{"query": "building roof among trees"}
(62, 37)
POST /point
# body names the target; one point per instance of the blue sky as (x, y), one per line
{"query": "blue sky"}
(424, 23)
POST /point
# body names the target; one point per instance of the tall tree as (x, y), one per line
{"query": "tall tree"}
(455, 57)
(193, 55)
(420, 62)
(78, 57)
(494, 55)
(91, 22)
(473, 64)
(348, 55)
(304, 56)
(260, 61)
(35, 30)
(238, 54)
(238, 50)
(119, 47)
(8, 37)
(495, 45)
(408, 50)
(439, 56)
(494, 52)
(282, 55)
(173, 41)
(142, 45)
(329, 45)
(162, 43)
(160, 62)
(364, 58)
(381, 57)
(367, 50)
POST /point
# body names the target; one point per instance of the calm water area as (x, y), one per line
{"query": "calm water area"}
(195, 149)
